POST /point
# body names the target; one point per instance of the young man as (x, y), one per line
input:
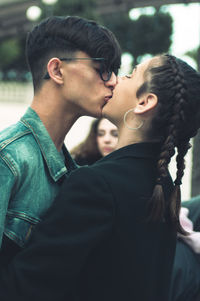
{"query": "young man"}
(74, 63)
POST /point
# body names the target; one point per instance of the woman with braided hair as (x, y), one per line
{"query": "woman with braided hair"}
(111, 233)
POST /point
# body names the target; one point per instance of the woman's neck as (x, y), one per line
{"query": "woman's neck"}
(127, 137)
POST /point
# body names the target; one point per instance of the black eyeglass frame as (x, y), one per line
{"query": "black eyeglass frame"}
(101, 71)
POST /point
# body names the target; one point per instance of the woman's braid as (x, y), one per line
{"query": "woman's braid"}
(177, 118)
(171, 141)
(182, 149)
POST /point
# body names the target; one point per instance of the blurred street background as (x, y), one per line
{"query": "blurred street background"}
(144, 28)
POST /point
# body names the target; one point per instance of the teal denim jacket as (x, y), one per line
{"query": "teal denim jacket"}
(31, 170)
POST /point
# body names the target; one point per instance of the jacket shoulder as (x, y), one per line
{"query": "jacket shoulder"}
(12, 133)
(17, 147)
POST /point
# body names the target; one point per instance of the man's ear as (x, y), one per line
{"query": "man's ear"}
(146, 103)
(55, 71)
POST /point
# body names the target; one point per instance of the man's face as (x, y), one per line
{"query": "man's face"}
(83, 88)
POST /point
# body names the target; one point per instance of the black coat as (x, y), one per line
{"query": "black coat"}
(94, 243)
(185, 284)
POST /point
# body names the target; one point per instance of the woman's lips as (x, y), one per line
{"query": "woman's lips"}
(107, 149)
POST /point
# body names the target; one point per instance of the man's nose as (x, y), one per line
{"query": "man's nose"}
(112, 82)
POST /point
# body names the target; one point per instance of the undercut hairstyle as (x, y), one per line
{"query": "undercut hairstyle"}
(63, 37)
(177, 119)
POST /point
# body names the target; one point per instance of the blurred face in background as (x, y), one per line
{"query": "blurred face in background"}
(107, 137)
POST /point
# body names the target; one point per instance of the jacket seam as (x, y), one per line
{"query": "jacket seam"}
(8, 141)
(9, 164)
(54, 176)
(23, 216)
(35, 135)
(11, 235)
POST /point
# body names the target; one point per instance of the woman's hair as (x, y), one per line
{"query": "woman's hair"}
(87, 152)
(177, 119)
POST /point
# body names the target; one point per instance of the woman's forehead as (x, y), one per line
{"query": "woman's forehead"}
(148, 64)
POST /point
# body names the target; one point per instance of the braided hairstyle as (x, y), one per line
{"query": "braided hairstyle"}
(177, 119)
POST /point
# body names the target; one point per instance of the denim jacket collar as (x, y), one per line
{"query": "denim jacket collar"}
(54, 159)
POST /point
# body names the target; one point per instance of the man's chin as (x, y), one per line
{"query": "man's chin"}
(104, 111)
(94, 114)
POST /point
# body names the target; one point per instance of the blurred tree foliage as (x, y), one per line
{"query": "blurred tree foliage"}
(81, 8)
(146, 35)
(9, 50)
(195, 55)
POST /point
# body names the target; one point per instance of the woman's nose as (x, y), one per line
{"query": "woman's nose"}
(107, 138)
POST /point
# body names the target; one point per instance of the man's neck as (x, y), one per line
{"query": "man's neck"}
(57, 121)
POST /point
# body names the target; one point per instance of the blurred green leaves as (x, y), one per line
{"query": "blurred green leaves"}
(149, 34)
(84, 8)
(9, 51)
(146, 35)
(195, 55)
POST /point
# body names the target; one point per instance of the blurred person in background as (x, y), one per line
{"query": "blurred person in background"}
(111, 233)
(101, 140)
(193, 205)
(74, 64)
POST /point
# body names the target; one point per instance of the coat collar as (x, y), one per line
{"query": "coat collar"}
(138, 150)
(55, 160)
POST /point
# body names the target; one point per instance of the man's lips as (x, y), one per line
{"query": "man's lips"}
(108, 97)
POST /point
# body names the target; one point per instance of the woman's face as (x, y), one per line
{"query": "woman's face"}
(107, 137)
(124, 95)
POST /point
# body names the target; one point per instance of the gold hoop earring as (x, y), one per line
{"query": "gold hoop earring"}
(126, 124)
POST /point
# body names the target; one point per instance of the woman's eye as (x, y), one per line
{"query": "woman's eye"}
(128, 76)
(114, 133)
(100, 134)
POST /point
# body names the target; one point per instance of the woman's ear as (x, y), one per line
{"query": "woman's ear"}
(55, 71)
(146, 103)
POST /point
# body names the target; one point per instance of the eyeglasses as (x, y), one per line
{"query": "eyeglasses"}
(104, 73)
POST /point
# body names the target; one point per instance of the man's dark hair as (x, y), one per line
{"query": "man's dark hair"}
(64, 36)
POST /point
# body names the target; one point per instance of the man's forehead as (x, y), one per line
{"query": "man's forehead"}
(83, 54)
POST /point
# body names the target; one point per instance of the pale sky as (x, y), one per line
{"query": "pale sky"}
(186, 27)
